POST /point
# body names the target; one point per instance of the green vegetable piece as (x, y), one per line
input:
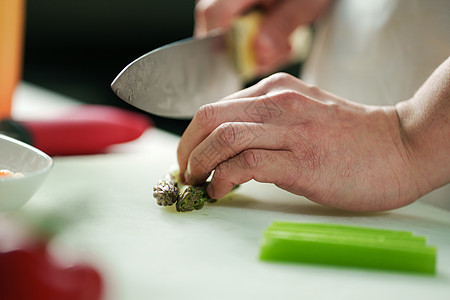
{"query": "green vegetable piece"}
(166, 191)
(193, 197)
(170, 190)
(348, 246)
(345, 232)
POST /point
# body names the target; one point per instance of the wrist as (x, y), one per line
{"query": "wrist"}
(425, 125)
(401, 162)
(426, 159)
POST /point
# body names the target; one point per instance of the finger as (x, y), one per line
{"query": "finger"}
(228, 140)
(251, 91)
(261, 103)
(285, 16)
(272, 44)
(282, 82)
(268, 86)
(200, 19)
(204, 122)
(261, 165)
(214, 14)
(210, 116)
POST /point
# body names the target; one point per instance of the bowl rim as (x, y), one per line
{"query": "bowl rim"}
(33, 149)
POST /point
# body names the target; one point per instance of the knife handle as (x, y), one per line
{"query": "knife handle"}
(86, 129)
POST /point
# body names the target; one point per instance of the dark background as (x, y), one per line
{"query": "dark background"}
(77, 48)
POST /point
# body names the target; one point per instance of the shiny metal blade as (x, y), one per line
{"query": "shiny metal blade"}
(175, 80)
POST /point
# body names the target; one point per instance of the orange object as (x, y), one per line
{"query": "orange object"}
(6, 173)
(11, 40)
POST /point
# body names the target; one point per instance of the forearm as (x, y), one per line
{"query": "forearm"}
(425, 125)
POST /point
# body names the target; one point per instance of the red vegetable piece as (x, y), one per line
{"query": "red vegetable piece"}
(32, 274)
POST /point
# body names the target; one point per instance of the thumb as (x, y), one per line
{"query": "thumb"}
(276, 27)
(213, 14)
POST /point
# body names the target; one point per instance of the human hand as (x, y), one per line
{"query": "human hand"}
(304, 140)
(282, 17)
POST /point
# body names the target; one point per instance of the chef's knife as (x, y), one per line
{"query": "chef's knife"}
(176, 79)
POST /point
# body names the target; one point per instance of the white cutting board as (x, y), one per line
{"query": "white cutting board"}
(149, 252)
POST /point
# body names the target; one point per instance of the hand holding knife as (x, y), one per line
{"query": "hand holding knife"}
(177, 79)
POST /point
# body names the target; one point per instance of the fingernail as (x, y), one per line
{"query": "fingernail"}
(187, 174)
(210, 190)
(182, 179)
(187, 177)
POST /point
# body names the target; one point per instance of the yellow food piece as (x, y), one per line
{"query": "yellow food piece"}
(241, 39)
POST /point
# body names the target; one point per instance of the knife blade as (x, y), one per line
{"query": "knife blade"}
(177, 79)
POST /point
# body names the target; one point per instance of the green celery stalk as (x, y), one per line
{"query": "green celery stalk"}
(347, 246)
(356, 237)
(338, 228)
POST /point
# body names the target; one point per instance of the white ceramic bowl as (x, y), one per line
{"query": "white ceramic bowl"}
(31, 162)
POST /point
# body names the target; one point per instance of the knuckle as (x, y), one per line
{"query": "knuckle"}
(284, 77)
(251, 159)
(221, 172)
(206, 115)
(288, 100)
(227, 133)
(314, 91)
(278, 79)
(275, 82)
